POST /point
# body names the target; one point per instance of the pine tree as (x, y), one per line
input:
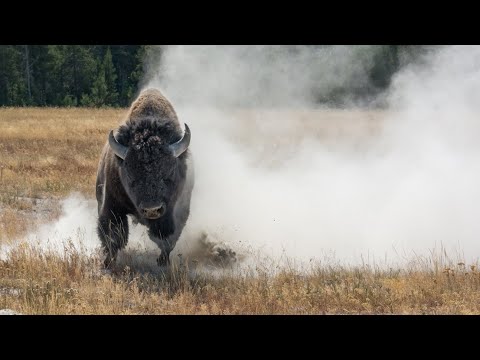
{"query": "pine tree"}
(109, 78)
(126, 60)
(74, 72)
(99, 91)
(41, 73)
(13, 91)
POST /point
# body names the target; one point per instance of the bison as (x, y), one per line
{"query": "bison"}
(145, 171)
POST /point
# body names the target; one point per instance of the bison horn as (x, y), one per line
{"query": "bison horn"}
(119, 149)
(181, 145)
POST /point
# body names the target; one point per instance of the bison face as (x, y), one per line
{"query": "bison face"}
(150, 181)
(149, 173)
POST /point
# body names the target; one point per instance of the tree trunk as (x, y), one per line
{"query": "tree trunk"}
(75, 80)
(27, 73)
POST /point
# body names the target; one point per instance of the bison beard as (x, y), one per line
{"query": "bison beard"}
(143, 172)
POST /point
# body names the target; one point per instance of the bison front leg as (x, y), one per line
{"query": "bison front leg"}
(162, 232)
(166, 246)
(113, 232)
(164, 258)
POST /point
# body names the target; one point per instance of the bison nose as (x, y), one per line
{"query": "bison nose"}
(154, 212)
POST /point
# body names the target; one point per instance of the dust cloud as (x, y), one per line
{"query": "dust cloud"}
(286, 177)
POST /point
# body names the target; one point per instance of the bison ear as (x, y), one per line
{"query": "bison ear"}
(181, 145)
(119, 149)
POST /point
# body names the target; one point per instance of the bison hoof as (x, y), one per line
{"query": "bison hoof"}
(109, 262)
(163, 260)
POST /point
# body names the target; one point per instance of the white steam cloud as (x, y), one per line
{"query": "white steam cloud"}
(290, 179)
(259, 75)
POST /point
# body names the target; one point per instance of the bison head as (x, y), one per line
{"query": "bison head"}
(150, 171)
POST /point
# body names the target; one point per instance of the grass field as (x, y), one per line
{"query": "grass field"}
(45, 154)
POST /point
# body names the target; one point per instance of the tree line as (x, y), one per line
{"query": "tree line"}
(108, 75)
(69, 75)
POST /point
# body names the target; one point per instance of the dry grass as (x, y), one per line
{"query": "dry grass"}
(51, 151)
(47, 153)
(45, 283)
